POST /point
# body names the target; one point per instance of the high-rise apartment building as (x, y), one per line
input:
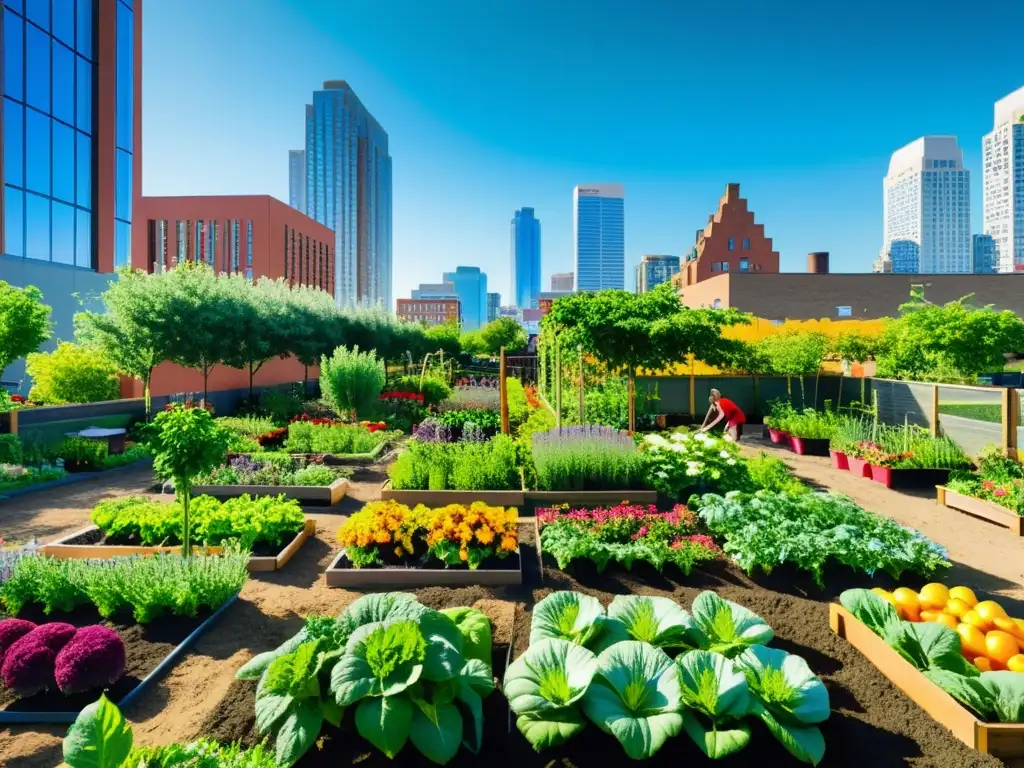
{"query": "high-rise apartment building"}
(563, 281)
(1003, 184)
(983, 255)
(471, 288)
(493, 307)
(525, 258)
(297, 179)
(71, 159)
(599, 236)
(927, 208)
(654, 270)
(348, 188)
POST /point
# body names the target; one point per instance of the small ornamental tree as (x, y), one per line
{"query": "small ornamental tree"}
(185, 442)
(71, 374)
(504, 332)
(24, 322)
(351, 380)
(262, 327)
(796, 353)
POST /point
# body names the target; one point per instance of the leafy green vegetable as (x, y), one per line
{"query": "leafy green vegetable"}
(100, 737)
(726, 627)
(1007, 690)
(655, 620)
(635, 697)
(568, 616)
(288, 702)
(718, 698)
(475, 628)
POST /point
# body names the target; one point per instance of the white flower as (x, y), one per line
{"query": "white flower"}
(731, 462)
(655, 440)
(662, 475)
(677, 448)
(724, 454)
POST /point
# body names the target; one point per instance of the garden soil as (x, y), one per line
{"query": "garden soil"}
(872, 722)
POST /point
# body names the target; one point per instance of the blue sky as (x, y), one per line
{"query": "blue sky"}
(495, 105)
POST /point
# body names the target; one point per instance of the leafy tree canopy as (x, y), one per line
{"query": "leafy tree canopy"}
(24, 322)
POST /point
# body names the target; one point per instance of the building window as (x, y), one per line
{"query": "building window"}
(286, 252)
(235, 251)
(248, 248)
(291, 257)
(732, 243)
(744, 265)
(746, 243)
(725, 266)
(716, 266)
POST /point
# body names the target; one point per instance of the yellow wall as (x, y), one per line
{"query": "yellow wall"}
(759, 329)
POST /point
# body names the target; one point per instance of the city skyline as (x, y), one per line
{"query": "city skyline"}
(1003, 184)
(466, 151)
(525, 258)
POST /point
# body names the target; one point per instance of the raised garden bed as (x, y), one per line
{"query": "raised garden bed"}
(839, 460)
(909, 478)
(809, 446)
(1002, 740)
(589, 498)
(89, 543)
(986, 510)
(305, 494)
(859, 467)
(70, 478)
(497, 573)
(151, 650)
(443, 498)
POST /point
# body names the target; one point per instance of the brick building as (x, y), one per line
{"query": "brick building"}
(432, 311)
(731, 242)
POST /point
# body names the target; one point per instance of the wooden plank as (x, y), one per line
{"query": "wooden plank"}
(414, 578)
(269, 564)
(1002, 740)
(443, 498)
(986, 510)
(591, 497)
(313, 494)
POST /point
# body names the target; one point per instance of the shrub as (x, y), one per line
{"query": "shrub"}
(282, 405)
(771, 474)
(71, 374)
(306, 437)
(518, 407)
(457, 466)
(93, 658)
(588, 458)
(433, 389)
(12, 630)
(352, 380)
(10, 449)
(85, 453)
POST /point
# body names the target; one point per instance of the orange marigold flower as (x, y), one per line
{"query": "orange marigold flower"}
(463, 554)
(399, 551)
(509, 543)
(382, 537)
(485, 535)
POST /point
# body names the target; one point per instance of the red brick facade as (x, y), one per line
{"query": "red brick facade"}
(731, 242)
(429, 311)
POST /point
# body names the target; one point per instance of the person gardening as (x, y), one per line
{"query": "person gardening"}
(728, 410)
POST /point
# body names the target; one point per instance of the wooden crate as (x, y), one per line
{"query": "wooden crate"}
(1002, 740)
(986, 510)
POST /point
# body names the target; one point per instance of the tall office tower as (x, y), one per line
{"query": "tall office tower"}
(1003, 185)
(71, 168)
(493, 307)
(927, 208)
(983, 255)
(348, 188)
(297, 179)
(599, 240)
(654, 270)
(562, 281)
(471, 288)
(525, 259)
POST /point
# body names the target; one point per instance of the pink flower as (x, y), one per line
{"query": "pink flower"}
(640, 534)
(999, 492)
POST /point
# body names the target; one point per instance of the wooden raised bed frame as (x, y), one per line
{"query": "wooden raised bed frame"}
(599, 498)
(986, 510)
(414, 578)
(444, 498)
(305, 494)
(1002, 740)
(60, 550)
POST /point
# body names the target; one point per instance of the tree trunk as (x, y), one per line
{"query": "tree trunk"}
(305, 380)
(252, 375)
(186, 534)
(147, 394)
(631, 395)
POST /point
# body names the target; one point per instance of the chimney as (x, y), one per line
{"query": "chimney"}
(817, 263)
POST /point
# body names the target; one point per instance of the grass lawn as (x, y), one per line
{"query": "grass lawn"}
(992, 412)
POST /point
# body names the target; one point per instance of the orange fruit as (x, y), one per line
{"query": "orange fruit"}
(1010, 626)
(957, 607)
(973, 618)
(1000, 646)
(989, 610)
(1019, 623)
(1016, 663)
(948, 620)
(933, 597)
(907, 602)
(983, 663)
(972, 641)
(929, 615)
(963, 593)
(887, 596)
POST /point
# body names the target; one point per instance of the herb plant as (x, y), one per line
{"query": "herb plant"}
(591, 458)
(490, 466)
(352, 380)
(335, 439)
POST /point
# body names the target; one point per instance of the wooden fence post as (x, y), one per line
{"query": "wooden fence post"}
(935, 411)
(503, 394)
(558, 383)
(693, 396)
(1010, 421)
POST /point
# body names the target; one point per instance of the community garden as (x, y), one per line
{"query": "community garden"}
(425, 569)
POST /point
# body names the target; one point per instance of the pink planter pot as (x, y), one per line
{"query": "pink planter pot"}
(881, 475)
(859, 467)
(839, 460)
(808, 446)
(777, 436)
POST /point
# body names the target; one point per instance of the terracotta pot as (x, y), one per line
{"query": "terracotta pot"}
(839, 460)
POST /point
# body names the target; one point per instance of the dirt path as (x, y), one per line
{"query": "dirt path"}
(984, 556)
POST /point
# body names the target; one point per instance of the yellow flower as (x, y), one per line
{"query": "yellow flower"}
(485, 535)
(463, 554)
(509, 543)
(399, 551)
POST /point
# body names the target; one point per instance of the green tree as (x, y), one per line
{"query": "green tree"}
(444, 338)
(71, 374)
(352, 380)
(855, 346)
(472, 343)
(24, 322)
(262, 327)
(957, 340)
(796, 353)
(504, 332)
(132, 332)
(316, 326)
(185, 443)
(651, 330)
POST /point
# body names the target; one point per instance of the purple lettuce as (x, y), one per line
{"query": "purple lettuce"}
(12, 630)
(54, 636)
(94, 658)
(28, 667)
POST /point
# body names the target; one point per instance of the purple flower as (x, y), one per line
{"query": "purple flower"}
(246, 465)
(432, 431)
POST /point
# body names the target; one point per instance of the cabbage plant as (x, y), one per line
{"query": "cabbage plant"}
(568, 616)
(718, 699)
(655, 620)
(726, 627)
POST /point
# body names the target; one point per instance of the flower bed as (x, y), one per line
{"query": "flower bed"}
(273, 475)
(995, 491)
(978, 507)
(447, 473)
(334, 439)
(686, 463)
(390, 543)
(624, 535)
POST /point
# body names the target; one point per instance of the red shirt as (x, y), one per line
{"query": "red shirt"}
(733, 414)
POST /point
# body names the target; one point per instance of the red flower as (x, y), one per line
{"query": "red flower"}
(17, 399)
(999, 492)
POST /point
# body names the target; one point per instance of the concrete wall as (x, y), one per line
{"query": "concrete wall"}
(66, 290)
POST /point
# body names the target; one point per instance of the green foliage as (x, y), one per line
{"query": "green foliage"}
(855, 346)
(586, 458)
(22, 477)
(24, 322)
(352, 380)
(262, 327)
(808, 423)
(485, 419)
(443, 338)
(10, 449)
(273, 469)
(246, 426)
(504, 332)
(768, 473)
(957, 339)
(145, 586)
(90, 455)
(282, 404)
(71, 374)
(682, 463)
(434, 390)
(338, 440)
(518, 408)
(489, 466)
(129, 455)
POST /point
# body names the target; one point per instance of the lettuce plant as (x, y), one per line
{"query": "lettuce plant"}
(568, 616)
(726, 627)
(93, 658)
(658, 621)
(717, 696)
(635, 697)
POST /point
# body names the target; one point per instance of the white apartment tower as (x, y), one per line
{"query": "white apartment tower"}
(1003, 183)
(927, 208)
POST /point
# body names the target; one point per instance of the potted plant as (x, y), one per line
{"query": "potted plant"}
(857, 458)
(849, 430)
(910, 457)
(810, 431)
(81, 454)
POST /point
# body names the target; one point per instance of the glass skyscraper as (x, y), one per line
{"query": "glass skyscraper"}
(1003, 183)
(599, 236)
(471, 288)
(348, 188)
(655, 270)
(297, 179)
(525, 259)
